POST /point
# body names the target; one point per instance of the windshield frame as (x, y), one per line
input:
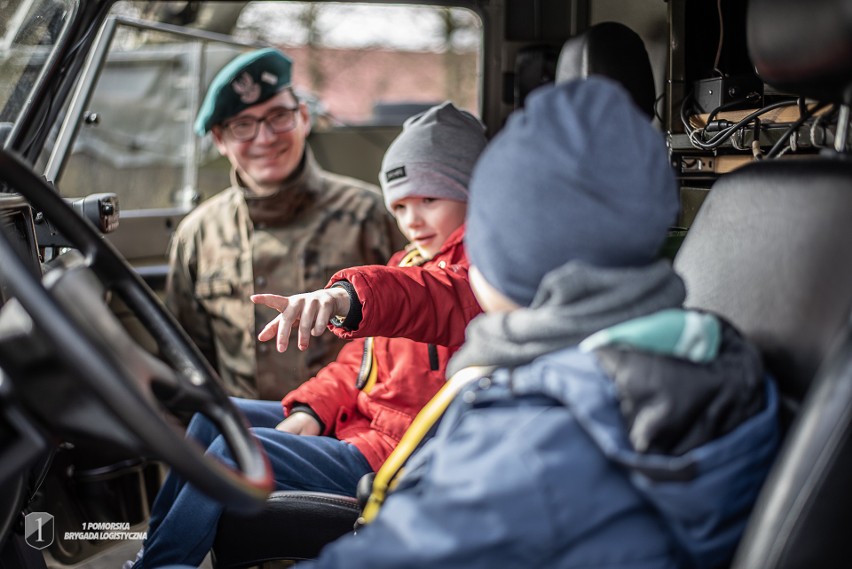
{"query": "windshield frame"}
(56, 79)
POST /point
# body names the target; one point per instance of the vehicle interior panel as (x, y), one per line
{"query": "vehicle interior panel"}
(97, 379)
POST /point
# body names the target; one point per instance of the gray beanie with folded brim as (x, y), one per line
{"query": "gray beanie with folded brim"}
(433, 156)
(579, 174)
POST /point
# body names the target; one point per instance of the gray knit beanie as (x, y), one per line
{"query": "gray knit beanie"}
(433, 156)
(577, 175)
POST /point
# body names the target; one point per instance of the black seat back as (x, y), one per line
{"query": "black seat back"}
(784, 277)
(613, 50)
(770, 250)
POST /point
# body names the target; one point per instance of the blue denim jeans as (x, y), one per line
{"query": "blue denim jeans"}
(183, 520)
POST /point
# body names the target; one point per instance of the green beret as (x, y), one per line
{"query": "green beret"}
(247, 80)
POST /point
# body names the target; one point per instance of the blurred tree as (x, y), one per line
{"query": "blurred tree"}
(222, 17)
(319, 27)
(455, 25)
(309, 18)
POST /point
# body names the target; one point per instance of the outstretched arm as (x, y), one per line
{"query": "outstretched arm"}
(426, 304)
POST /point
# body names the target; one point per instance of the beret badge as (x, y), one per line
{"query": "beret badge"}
(247, 89)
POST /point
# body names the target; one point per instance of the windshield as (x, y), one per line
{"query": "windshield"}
(29, 31)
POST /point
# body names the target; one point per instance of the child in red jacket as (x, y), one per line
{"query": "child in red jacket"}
(363, 402)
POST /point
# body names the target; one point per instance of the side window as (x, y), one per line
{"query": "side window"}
(135, 136)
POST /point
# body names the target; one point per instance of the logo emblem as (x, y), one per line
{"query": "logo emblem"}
(247, 88)
(395, 174)
(38, 530)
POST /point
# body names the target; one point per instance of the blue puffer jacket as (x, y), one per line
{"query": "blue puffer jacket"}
(551, 480)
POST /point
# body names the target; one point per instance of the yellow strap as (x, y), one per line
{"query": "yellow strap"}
(374, 368)
(422, 424)
(411, 258)
(368, 364)
(369, 372)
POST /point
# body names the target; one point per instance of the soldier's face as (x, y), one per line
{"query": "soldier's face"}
(270, 157)
(427, 222)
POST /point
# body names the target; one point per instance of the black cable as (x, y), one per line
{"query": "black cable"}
(725, 134)
(807, 114)
(656, 107)
(730, 104)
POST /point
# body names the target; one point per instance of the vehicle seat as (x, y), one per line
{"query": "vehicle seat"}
(610, 49)
(770, 251)
(293, 525)
(534, 66)
(613, 50)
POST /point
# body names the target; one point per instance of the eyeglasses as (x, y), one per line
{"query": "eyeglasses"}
(279, 121)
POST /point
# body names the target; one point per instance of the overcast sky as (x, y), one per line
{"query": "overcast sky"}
(347, 25)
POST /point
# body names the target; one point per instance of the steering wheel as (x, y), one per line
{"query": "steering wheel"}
(110, 387)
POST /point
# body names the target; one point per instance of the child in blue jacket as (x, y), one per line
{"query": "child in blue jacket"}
(590, 420)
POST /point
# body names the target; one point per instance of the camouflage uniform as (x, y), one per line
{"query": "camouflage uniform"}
(234, 245)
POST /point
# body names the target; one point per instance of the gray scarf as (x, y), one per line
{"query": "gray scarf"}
(572, 302)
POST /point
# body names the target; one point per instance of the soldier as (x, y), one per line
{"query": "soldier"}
(285, 225)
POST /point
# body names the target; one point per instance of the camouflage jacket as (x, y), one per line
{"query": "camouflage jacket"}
(235, 244)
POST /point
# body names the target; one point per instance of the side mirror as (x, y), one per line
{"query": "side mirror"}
(101, 210)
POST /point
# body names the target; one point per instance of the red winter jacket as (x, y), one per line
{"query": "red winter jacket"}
(370, 394)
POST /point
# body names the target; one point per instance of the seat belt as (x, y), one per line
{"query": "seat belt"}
(368, 374)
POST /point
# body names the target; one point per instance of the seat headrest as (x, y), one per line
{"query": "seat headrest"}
(534, 66)
(803, 47)
(769, 251)
(613, 50)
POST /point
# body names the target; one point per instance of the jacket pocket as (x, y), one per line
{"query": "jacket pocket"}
(206, 289)
(230, 313)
